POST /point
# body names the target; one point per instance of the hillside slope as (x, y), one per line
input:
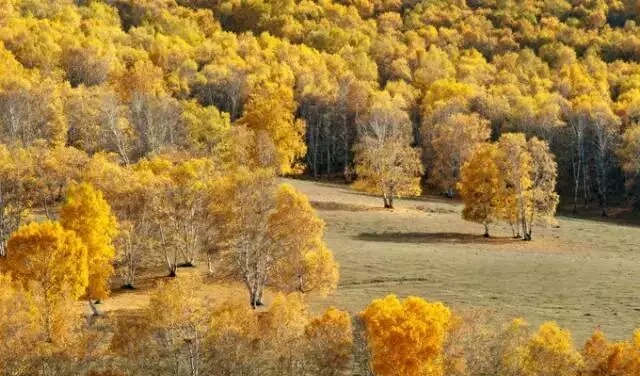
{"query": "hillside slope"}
(582, 274)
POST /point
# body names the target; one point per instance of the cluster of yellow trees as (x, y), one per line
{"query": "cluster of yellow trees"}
(50, 264)
(329, 86)
(180, 332)
(512, 180)
(171, 210)
(138, 133)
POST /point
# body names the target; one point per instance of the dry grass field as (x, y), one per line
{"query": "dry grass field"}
(584, 274)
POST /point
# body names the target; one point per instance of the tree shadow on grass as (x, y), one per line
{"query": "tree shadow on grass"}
(433, 238)
(339, 206)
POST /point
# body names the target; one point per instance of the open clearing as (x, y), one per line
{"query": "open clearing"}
(584, 274)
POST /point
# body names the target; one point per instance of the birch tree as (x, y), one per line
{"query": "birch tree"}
(453, 141)
(16, 174)
(385, 163)
(264, 251)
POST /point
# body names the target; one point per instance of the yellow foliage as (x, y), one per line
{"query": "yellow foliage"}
(20, 328)
(406, 337)
(602, 358)
(209, 129)
(16, 173)
(48, 254)
(53, 261)
(263, 249)
(453, 142)
(550, 352)
(308, 263)
(142, 78)
(176, 306)
(233, 317)
(56, 168)
(445, 96)
(321, 271)
(286, 320)
(88, 214)
(480, 186)
(393, 170)
(385, 162)
(629, 150)
(269, 113)
(331, 342)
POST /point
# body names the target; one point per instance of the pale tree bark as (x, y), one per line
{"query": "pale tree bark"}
(169, 251)
(253, 252)
(604, 135)
(114, 125)
(577, 127)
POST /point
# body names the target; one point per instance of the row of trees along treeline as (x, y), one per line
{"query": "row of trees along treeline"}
(183, 332)
(138, 77)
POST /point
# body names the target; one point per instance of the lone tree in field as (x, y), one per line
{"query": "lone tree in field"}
(385, 162)
(88, 214)
(530, 171)
(277, 239)
(480, 187)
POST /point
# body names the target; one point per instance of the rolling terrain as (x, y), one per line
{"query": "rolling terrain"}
(582, 274)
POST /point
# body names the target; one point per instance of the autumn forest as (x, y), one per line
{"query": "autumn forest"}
(149, 151)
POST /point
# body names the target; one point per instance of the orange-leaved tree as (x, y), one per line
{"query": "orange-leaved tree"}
(406, 337)
(480, 187)
(52, 261)
(603, 358)
(88, 214)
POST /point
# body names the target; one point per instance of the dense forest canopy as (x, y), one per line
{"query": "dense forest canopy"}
(149, 134)
(139, 78)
